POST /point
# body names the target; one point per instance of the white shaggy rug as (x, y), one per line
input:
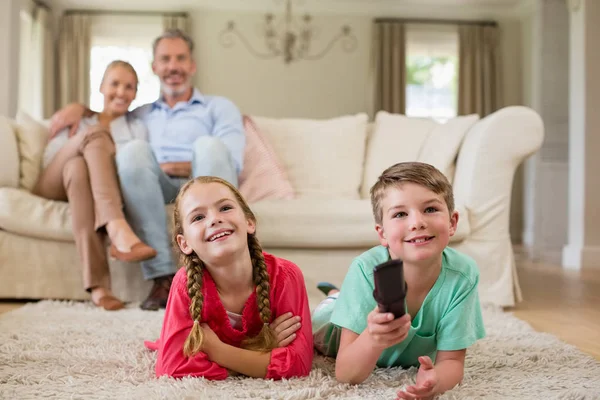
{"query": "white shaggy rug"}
(64, 350)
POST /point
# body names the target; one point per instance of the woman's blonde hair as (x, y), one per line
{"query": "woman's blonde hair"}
(266, 339)
(120, 63)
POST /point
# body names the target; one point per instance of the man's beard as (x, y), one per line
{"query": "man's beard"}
(177, 91)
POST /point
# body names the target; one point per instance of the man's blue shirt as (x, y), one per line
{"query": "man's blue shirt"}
(172, 131)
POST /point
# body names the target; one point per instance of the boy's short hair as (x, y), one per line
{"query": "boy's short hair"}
(422, 174)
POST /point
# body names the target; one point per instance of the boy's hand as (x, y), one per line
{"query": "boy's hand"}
(426, 382)
(285, 327)
(384, 330)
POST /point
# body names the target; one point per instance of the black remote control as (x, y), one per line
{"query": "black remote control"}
(390, 287)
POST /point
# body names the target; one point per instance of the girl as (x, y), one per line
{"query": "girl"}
(229, 310)
(81, 170)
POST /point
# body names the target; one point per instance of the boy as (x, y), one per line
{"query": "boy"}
(414, 214)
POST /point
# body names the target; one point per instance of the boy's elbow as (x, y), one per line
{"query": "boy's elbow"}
(344, 377)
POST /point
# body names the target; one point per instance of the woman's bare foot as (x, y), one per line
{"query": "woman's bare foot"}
(126, 246)
(121, 235)
(103, 297)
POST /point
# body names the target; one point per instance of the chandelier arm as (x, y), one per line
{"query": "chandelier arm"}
(349, 42)
(225, 37)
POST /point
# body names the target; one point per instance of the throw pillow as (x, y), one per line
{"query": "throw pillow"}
(263, 176)
(395, 138)
(322, 157)
(443, 143)
(32, 137)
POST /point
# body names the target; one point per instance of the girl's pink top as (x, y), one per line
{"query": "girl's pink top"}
(288, 294)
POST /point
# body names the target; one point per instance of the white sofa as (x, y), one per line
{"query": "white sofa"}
(331, 164)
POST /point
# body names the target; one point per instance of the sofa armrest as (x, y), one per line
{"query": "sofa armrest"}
(487, 160)
(9, 154)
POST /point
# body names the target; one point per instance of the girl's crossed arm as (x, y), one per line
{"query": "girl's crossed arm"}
(295, 359)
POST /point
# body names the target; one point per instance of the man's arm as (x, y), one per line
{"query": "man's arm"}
(69, 116)
(229, 129)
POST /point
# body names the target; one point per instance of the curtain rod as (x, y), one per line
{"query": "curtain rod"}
(39, 3)
(109, 12)
(436, 21)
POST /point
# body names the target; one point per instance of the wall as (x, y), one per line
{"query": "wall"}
(332, 86)
(546, 174)
(335, 85)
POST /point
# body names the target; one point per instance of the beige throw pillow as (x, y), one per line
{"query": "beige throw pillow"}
(322, 158)
(32, 137)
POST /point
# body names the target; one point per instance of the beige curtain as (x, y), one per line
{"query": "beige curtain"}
(42, 39)
(74, 60)
(388, 68)
(479, 73)
(181, 22)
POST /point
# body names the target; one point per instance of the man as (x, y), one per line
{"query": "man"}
(189, 135)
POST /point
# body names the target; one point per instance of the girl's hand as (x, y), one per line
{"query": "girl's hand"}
(384, 330)
(211, 341)
(285, 327)
(426, 382)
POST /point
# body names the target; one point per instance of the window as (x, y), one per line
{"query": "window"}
(127, 38)
(431, 71)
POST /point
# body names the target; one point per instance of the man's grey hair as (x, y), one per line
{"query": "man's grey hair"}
(173, 34)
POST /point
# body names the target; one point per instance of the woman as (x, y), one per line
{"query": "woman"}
(81, 170)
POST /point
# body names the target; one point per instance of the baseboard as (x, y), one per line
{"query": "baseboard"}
(527, 238)
(546, 255)
(577, 257)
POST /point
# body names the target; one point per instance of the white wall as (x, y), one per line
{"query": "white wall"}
(9, 56)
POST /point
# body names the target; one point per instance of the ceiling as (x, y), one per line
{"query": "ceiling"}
(428, 8)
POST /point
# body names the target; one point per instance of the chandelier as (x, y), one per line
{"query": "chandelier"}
(290, 38)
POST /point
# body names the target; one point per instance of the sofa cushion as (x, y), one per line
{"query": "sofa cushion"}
(298, 223)
(443, 142)
(398, 138)
(9, 154)
(395, 138)
(32, 137)
(263, 176)
(26, 214)
(323, 158)
(325, 223)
